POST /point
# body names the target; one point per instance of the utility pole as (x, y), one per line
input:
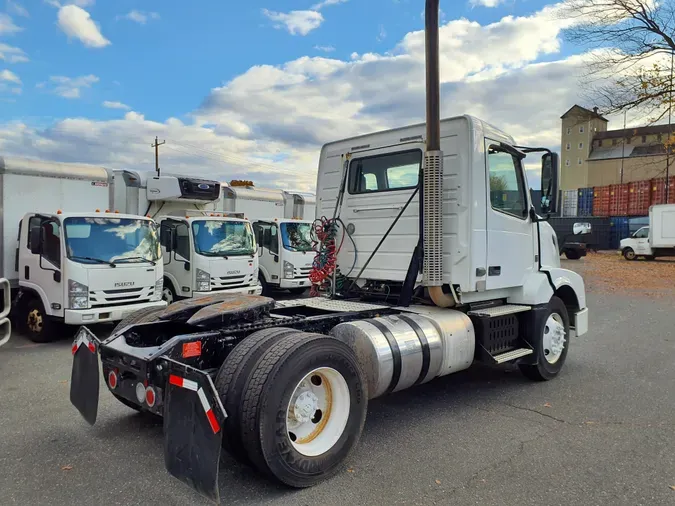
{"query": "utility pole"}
(156, 145)
(623, 145)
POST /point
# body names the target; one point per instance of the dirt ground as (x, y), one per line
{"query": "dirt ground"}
(609, 273)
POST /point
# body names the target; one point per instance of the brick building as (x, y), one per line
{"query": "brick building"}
(592, 155)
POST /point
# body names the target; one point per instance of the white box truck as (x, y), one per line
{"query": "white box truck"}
(655, 240)
(284, 386)
(68, 257)
(204, 252)
(285, 248)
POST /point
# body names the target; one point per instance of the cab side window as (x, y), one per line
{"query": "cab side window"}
(643, 233)
(507, 189)
(51, 237)
(269, 231)
(182, 240)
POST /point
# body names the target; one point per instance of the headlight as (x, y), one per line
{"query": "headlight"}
(288, 270)
(78, 295)
(159, 286)
(203, 281)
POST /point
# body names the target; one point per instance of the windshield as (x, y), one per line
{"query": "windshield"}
(223, 238)
(296, 236)
(111, 240)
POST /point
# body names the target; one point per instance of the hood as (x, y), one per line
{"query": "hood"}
(124, 276)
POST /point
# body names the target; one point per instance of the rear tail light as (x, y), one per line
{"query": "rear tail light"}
(150, 397)
(112, 380)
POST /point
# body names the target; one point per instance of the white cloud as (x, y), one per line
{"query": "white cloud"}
(17, 8)
(296, 22)
(486, 3)
(68, 87)
(12, 54)
(382, 34)
(326, 3)
(75, 22)
(115, 105)
(139, 17)
(9, 76)
(269, 123)
(7, 26)
(325, 49)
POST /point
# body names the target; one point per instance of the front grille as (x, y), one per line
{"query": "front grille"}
(301, 272)
(120, 297)
(227, 282)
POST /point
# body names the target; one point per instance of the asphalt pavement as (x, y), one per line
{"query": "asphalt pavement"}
(602, 433)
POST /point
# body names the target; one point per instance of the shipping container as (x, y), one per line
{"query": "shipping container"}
(639, 198)
(658, 190)
(585, 202)
(618, 199)
(619, 226)
(601, 201)
(598, 239)
(569, 203)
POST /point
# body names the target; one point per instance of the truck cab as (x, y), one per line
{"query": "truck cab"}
(636, 245)
(85, 268)
(206, 254)
(285, 253)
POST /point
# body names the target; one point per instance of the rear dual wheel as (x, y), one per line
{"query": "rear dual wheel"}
(301, 408)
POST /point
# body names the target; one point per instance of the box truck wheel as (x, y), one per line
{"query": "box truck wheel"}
(551, 343)
(231, 380)
(169, 292)
(629, 254)
(35, 323)
(266, 290)
(303, 409)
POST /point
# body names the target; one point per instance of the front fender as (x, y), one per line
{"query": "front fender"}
(537, 289)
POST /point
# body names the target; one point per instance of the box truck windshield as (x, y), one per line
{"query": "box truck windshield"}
(296, 236)
(223, 238)
(111, 240)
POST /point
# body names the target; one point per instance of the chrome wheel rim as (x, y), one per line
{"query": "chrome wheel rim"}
(167, 295)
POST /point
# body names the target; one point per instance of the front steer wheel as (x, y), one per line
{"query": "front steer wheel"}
(303, 409)
(551, 343)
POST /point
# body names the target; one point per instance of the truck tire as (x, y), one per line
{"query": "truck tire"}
(231, 380)
(266, 290)
(551, 343)
(169, 292)
(303, 409)
(34, 322)
(629, 254)
(145, 315)
(572, 255)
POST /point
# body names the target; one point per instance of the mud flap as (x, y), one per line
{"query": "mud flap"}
(84, 380)
(193, 417)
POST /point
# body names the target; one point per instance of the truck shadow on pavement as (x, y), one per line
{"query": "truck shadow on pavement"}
(390, 419)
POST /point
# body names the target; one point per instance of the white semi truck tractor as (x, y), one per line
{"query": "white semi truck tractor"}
(204, 252)
(70, 259)
(285, 247)
(447, 272)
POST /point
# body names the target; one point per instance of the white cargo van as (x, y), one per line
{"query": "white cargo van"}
(69, 258)
(655, 240)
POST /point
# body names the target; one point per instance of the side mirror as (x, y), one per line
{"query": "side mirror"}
(581, 228)
(36, 240)
(267, 237)
(549, 183)
(260, 237)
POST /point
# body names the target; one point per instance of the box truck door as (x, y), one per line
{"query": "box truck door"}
(509, 228)
(41, 269)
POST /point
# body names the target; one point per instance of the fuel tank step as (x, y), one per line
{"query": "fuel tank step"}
(495, 311)
(512, 355)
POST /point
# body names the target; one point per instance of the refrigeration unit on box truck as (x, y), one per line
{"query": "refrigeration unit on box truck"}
(204, 251)
(69, 258)
(285, 248)
(655, 240)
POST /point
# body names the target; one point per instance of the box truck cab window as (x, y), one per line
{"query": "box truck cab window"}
(223, 238)
(643, 233)
(393, 171)
(111, 240)
(507, 190)
(296, 236)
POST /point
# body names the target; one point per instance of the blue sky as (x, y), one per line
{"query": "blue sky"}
(257, 83)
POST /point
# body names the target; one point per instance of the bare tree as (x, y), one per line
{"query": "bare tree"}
(632, 43)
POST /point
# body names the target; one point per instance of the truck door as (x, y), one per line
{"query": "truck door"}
(510, 241)
(642, 242)
(42, 272)
(268, 250)
(177, 268)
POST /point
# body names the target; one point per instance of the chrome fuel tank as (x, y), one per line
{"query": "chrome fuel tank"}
(399, 351)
